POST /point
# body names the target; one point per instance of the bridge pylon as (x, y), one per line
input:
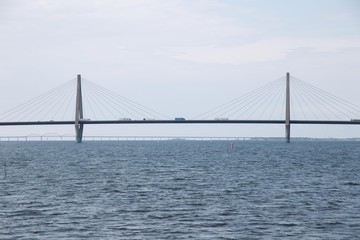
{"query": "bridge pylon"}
(79, 127)
(287, 109)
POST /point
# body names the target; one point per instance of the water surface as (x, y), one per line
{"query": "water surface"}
(180, 190)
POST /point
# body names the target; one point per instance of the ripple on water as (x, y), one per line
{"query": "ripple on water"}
(180, 190)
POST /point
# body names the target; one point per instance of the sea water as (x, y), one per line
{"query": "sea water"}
(180, 190)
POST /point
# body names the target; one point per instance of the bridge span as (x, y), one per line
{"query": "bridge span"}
(104, 122)
(264, 96)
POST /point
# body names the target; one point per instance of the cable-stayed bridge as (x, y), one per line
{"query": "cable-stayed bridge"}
(286, 101)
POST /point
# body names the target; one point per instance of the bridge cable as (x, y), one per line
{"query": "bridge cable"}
(257, 101)
(318, 100)
(269, 101)
(322, 102)
(235, 103)
(338, 104)
(33, 103)
(110, 100)
(297, 100)
(51, 102)
(100, 93)
(280, 95)
(126, 100)
(254, 100)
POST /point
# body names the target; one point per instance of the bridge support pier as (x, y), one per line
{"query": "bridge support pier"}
(79, 127)
(287, 110)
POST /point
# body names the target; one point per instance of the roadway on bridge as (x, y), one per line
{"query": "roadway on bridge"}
(87, 122)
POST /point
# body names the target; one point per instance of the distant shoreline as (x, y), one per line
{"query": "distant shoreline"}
(160, 138)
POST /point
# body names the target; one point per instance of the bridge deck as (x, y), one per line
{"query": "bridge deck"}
(324, 122)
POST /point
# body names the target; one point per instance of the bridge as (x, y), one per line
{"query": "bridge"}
(264, 100)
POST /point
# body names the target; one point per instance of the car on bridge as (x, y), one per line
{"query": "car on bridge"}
(179, 119)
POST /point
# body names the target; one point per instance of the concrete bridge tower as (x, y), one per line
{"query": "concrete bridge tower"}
(287, 109)
(79, 127)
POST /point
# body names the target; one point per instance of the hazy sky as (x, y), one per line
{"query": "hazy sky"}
(180, 57)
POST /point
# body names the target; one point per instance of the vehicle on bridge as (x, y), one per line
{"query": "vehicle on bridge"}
(125, 119)
(355, 120)
(179, 119)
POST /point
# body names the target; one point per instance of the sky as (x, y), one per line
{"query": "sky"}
(179, 57)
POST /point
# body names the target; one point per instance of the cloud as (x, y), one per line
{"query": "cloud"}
(262, 51)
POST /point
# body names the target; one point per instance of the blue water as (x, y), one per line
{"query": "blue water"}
(180, 190)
